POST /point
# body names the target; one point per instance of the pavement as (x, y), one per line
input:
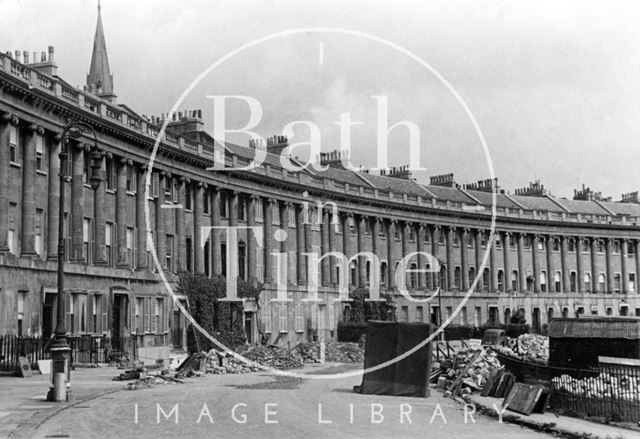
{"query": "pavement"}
(25, 413)
(563, 426)
(24, 405)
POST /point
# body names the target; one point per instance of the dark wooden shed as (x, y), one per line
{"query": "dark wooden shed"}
(578, 342)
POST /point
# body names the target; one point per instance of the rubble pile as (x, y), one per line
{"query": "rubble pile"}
(602, 386)
(282, 357)
(468, 370)
(530, 347)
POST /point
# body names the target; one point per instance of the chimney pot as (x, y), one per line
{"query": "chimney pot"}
(51, 51)
(25, 56)
(43, 57)
(17, 55)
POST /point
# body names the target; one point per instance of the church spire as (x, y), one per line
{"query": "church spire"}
(100, 79)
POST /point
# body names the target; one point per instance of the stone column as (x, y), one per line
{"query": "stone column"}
(121, 213)
(422, 259)
(507, 261)
(29, 192)
(161, 237)
(609, 257)
(233, 211)
(308, 240)
(141, 224)
(184, 184)
(300, 243)
(198, 222)
(99, 213)
(216, 256)
(464, 255)
(362, 261)
(595, 285)
(268, 239)
(579, 265)
(551, 275)
(325, 248)
(288, 245)
(346, 237)
(5, 128)
(53, 204)
(251, 238)
(479, 255)
(391, 227)
(493, 261)
(450, 268)
(565, 264)
(536, 264)
(77, 202)
(333, 273)
(624, 254)
(435, 251)
(522, 275)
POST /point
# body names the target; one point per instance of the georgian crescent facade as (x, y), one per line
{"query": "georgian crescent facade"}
(551, 256)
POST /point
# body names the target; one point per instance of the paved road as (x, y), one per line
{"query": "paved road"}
(270, 407)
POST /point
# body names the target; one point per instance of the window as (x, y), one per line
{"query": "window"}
(587, 282)
(631, 249)
(94, 313)
(353, 267)
(464, 320)
(132, 179)
(594, 310)
(14, 145)
(224, 206)
(557, 279)
(507, 315)
(86, 238)
(169, 252)
(457, 273)
(266, 317)
(632, 282)
(188, 196)
(498, 241)
(282, 320)
(11, 233)
(108, 240)
(549, 313)
(601, 282)
(242, 209)
(514, 280)
(129, 242)
(579, 311)
(556, 245)
(527, 242)
(543, 281)
(188, 243)
(404, 314)
(155, 322)
(111, 174)
(500, 280)
(367, 227)
(572, 245)
(573, 281)
(413, 279)
(624, 310)
(565, 312)
(38, 231)
(609, 311)
(440, 236)
(493, 314)
(21, 297)
(299, 318)
(412, 235)
(352, 227)
(242, 261)
(616, 282)
(512, 241)
(381, 232)
(601, 248)
(139, 316)
(40, 162)
(456, 240)
(383, 273)
(478, 316)
(419, 314)
(486, 278)
(396, 232)
(449, 311)
(205, 202)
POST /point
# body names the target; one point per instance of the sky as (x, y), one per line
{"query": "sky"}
(553, 85)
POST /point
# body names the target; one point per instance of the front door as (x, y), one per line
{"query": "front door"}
(47, 316)
(115, 324)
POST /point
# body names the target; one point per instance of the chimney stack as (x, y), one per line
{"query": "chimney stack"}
(51, 60)
(17, 55)
(25, 56)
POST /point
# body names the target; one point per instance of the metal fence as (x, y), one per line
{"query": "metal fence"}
(84, 349)
(607, 390)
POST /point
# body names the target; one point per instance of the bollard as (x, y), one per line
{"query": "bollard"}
(60, 387)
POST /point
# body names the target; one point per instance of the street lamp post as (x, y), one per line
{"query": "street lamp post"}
(60, 349)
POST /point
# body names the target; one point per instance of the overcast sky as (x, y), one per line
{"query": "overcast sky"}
(554, 85)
